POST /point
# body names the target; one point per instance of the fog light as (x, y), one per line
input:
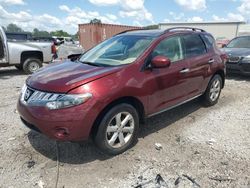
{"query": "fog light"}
(61, 133)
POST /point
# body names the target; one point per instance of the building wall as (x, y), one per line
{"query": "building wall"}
(227, 30)
(92, 34)
(244, 29)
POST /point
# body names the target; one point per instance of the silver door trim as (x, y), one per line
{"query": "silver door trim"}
(179, 104)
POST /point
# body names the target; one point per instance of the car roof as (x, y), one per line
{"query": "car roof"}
(244, 36)
(159, 32)
(144, 32)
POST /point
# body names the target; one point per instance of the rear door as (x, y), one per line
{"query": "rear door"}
(199, 58)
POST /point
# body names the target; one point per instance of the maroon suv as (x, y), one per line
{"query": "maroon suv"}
(115, 85)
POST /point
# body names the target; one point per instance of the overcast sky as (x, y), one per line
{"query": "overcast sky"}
(67, 14)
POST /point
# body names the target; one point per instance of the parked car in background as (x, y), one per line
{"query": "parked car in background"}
(65, 51)
(238, 51)
(113, 87)
(25, 55)
(64, 40)
(45, 39)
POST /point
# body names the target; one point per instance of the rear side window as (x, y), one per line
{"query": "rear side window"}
(209, 40)
(194, 46)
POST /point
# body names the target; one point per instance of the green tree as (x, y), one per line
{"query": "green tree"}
(95, 21)
(75, 36)
(14, 28)
(37, 33)
(59, 33)
(151, 27)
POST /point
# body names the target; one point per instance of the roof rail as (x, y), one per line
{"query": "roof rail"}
(183, 28)
(139, 29)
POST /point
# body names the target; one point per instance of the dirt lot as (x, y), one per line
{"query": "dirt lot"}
(201, 147)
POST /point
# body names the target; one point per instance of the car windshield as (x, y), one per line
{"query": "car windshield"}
(119, 50)
(241, 42)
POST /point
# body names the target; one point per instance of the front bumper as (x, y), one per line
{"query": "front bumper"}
(70, 124)
(239, 67)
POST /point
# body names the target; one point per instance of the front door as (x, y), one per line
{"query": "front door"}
(168, 86)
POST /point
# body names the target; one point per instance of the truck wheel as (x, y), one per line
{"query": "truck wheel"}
(19, 67)
(31, 65)
(118, 129)
(212, 94)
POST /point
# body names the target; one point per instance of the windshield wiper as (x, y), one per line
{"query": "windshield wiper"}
(91, 63)
(95, 64)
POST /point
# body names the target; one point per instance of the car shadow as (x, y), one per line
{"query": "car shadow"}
(237, 77)
(69, 152)
(165, 119)
(81, 153)
(7, 73)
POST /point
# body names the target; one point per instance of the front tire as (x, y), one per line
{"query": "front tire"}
(212, 94)
(31, 65)
(117, 130)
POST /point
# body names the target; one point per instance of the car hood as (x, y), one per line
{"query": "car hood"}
(238, 52)
(62, 77)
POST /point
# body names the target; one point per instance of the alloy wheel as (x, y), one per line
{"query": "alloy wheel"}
(120, 129)
(33, 66)
(215, 90)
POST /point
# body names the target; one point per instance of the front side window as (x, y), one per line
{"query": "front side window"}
(119, 50)
(194, 46)
(170, 48)
(240, 42)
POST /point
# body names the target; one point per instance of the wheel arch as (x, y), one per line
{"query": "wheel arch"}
(31, 54)
(136, 103)
(222, 74)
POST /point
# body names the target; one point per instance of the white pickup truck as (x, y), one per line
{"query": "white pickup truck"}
(24, 55)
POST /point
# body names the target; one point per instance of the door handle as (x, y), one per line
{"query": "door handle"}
(211, 61)
(185, 70)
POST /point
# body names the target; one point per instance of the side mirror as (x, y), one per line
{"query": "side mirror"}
(160, 62)
(223, 45)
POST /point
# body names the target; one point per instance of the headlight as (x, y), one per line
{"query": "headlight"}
(68, 101)
(247, 58)
(52, 101)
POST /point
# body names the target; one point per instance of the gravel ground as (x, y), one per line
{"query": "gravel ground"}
(201, 147)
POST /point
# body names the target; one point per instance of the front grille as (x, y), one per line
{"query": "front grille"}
(234, 59)
(30, 95)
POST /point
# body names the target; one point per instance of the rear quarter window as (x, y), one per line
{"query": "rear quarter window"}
(194, 45)
(209, 41)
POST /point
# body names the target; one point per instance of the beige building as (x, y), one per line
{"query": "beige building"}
(244, 29)
(226, 30)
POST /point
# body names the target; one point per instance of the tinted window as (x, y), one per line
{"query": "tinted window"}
(240, 42)
(194, 46)
(171, 48)
(209, 40)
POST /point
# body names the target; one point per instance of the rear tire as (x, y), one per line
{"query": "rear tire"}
(117, 130)
(213, 91)
(31, 65)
